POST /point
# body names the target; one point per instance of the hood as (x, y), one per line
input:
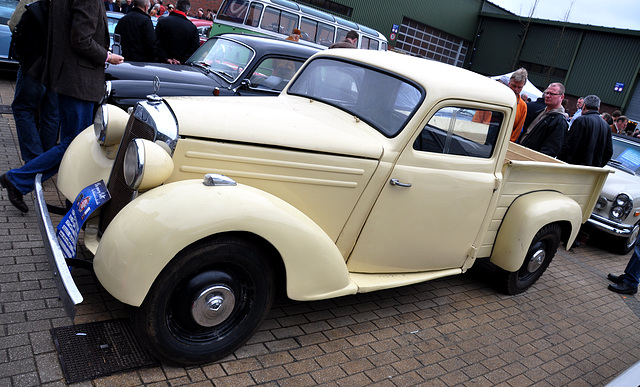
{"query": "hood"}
(135, 75)
(283, 121)
(619, 182)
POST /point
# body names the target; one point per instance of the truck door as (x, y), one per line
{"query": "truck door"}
(432, 208)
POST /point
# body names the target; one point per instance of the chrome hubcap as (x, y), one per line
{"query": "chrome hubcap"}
(213, 305)
(536, 260)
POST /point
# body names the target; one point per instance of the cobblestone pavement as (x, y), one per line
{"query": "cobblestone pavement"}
(567, 330)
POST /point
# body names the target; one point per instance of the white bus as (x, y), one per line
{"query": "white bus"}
(279, 17)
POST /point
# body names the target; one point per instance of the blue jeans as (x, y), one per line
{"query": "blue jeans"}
(75, 116)
(31, 97)
(632, 271)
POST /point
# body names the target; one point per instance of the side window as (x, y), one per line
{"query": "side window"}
(253, 16)
(273, 74)
(461, 131)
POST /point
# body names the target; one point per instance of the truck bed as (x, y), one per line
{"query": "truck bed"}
(525, 170)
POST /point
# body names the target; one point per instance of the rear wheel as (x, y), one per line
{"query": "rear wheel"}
(207, 302)
(542, 250)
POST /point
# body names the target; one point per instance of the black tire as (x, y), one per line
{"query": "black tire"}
(177, 321)
(624, 245)
(541, 251)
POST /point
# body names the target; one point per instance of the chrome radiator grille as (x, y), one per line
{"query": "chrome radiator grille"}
(121, 194)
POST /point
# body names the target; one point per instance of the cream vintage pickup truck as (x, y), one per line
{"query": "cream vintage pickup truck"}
(371, 170)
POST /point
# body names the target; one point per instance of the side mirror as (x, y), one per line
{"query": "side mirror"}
(244, 85)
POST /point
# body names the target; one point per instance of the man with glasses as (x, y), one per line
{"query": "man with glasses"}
(546, 132)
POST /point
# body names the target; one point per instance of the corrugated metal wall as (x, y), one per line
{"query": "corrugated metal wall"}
(601, 61)
(459, 17)
(587, 60)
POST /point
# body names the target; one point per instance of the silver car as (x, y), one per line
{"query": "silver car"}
(617, 211)
(6, 10)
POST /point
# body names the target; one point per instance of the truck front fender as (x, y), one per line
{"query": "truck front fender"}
(153, 228)
(524, 218)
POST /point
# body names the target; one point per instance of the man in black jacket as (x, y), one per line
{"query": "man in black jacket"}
(546, 132)
(176, 36)
(137, 37)
(589, 140)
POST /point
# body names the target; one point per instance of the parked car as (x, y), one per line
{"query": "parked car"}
(617, 212)
(229, 64)
(367, 172)
(204, 26)
(6, 10)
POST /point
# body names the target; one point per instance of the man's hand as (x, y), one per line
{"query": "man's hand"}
(115, 59)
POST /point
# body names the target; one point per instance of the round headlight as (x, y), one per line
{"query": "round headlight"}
(109, 124)
(146, 165)
(134, 163)
(601, 203)
(621, 207)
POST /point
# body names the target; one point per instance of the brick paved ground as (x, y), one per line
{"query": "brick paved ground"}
(568, 330)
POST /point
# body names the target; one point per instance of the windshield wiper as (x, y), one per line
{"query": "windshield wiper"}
(617, 164)
(203, 65)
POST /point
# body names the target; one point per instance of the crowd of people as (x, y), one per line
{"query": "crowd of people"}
(172, 41)
(157, 9)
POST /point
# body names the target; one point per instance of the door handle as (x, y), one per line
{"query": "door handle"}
(400, 184)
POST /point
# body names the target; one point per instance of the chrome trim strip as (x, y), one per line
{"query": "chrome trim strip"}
(67, 289)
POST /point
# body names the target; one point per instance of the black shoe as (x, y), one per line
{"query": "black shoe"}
(615, 278)
(15, 196)
(623, 288)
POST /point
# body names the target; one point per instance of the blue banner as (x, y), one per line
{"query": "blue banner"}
(86, 202)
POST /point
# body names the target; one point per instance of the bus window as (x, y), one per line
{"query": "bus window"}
(325, 34)
(342, 33)
(233, 10)
(368, 43)
(308, 28)
(253, 16)
(279, 21)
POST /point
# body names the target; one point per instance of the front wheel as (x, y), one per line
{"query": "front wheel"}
(206, 303)
(541, 251)
(623, 245)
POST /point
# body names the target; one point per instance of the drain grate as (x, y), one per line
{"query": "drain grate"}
(89, 351)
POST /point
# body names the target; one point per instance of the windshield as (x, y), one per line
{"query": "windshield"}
(224, 57)
(626, 154)
(380, 99)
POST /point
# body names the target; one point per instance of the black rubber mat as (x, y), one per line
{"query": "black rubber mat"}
(93, 350)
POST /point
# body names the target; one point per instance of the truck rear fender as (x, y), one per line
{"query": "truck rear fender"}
(156, 226)
(525, 217)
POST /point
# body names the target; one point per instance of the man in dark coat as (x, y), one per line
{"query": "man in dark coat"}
(589, 139)
(176, 36)
(546, 132)
(533, 109)
(137, 37)
(76, 53)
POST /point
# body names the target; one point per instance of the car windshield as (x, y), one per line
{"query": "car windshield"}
(626, 155)
(224, 57)
(380, 99)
